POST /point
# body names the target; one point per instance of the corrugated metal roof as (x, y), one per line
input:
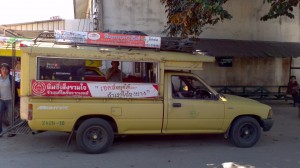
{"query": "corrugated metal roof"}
(243, 48)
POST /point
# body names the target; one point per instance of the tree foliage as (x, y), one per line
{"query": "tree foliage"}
(188, 17)
(280, 8)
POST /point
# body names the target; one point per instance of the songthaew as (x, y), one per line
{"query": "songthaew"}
(65, 88)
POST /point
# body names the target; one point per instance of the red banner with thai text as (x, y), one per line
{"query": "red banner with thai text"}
(123, 40)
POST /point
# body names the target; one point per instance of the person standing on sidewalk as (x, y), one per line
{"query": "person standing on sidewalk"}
(293, 89)
(5, 94)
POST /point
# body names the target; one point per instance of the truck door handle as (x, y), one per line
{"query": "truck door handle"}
(176, 104)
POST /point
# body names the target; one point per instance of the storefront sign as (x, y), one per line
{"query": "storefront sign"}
(225, 61)
(93, 89)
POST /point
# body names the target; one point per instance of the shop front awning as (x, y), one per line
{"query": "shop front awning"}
(243, 48)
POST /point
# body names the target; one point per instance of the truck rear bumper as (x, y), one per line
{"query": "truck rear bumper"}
(267, 124)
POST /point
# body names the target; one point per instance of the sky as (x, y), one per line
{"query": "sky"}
(19, 11)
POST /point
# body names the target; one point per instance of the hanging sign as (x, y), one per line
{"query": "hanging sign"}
(123, 40)
(107, 39)
(70, 36)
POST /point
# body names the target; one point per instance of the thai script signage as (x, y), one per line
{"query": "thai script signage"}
(123, 40)
(108, 39)
(70, 36)
(8, 41)
(93, 89)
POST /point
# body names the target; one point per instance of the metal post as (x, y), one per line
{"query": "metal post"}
(298, 111)
(12, 115)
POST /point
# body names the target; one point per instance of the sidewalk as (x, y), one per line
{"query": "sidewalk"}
(286, 127)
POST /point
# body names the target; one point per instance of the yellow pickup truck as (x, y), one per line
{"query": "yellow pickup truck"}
(157, 94)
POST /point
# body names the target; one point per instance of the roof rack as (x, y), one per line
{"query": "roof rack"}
(84, 39)
(46, 36)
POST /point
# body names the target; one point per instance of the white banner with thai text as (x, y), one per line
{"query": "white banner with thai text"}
(93, 89)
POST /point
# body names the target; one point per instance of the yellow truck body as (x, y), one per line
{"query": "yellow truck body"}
(8, 52)
(184, 103)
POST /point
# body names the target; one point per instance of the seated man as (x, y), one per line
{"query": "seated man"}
(293, 89)
(114, 74)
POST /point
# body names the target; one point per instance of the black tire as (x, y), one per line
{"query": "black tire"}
(94, 136)
(245, 132)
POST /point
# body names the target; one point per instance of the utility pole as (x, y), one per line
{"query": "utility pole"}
(97, 8)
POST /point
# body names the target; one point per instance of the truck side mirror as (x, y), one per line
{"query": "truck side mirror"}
(217, 96)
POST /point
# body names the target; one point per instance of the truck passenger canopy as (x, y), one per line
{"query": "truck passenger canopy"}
(61, 69)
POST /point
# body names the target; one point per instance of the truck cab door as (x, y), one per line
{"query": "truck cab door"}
(193, 107)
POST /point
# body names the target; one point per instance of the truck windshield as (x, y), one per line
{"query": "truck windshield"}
(190, 87)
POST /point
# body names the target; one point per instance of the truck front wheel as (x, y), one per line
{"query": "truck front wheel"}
(94, 135)
(245, 132)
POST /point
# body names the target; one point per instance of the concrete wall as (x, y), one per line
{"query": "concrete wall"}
(149, 16)
(248, 71)
(143, 15)
(246, 24)
(295, 68)
(79, 25)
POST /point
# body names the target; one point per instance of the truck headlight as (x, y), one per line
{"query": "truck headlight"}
(270, 114)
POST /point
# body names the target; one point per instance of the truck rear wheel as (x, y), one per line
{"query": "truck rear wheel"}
(245, 132)
(94, 136)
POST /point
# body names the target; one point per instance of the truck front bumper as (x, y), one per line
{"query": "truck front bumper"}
(267, 124)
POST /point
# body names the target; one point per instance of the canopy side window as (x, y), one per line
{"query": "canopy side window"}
(62, 69)
(140, 72)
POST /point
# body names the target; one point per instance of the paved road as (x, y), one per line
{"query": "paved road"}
(279, 148)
